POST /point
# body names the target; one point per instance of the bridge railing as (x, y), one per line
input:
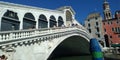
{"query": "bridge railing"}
(18, 34)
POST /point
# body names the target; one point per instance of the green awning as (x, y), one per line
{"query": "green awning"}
(115, 45)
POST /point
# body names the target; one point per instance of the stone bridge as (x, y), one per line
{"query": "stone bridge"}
(32, 33)
(35, 44)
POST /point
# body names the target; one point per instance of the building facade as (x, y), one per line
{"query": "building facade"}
(93, 24)
(112, 28)
(111, 25)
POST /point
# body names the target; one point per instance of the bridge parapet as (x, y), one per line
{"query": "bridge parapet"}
(34, 35)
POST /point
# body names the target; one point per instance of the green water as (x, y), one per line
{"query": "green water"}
(74, 58)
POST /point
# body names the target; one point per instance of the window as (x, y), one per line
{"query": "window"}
(97, 23)
(108, 23)
(88, 20)
(96, 18)
(118, 36)
(113, 29)
(89, 24)
(119, 29)
(99, 35)
(106, 15)
(109, 15)
(89, 30)
(116, 29)
(110, 36)
(97, 29)
(104, 23)
(43, 23)
(111, 22)
(117, 22)
(104, 29)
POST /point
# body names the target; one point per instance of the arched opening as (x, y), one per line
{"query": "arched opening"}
(107, 40)
(52, 21)
(68, 18)
(60, 21)
(29, 21)
(43, 23)
(72, 48)
(10, 21)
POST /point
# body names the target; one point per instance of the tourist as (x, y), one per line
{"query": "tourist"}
(3, 57)
(63, 26)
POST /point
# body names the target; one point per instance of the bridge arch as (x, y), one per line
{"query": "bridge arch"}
(52, 21)
(69, 17)
(60, 21)
(65, 47)
(10, 20)
(43, 23)
(29, 21)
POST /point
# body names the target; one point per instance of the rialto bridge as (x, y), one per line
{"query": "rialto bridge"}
(32, 33)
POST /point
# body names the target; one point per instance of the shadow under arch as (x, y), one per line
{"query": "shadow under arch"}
(72, 48)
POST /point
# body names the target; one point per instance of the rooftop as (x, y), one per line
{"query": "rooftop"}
(93, 15)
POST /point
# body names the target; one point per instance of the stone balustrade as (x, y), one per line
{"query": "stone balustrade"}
(34, 35)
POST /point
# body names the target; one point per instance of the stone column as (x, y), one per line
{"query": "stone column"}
(21, 15)
(36, 19)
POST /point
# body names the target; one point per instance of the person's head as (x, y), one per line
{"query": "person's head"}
(3, 57)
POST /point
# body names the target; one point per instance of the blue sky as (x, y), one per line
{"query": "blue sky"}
(81, 7)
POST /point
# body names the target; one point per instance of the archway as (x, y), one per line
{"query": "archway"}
(29, 21)
(10, 21)
(68, 18)
(72, 48)
(43, 23)
(52, 21)
(107, 42)
(60, 21)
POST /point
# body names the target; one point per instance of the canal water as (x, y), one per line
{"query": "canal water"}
(84, 58)
(74, 58)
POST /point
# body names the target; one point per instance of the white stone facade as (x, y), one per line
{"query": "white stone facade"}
(64, 12)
